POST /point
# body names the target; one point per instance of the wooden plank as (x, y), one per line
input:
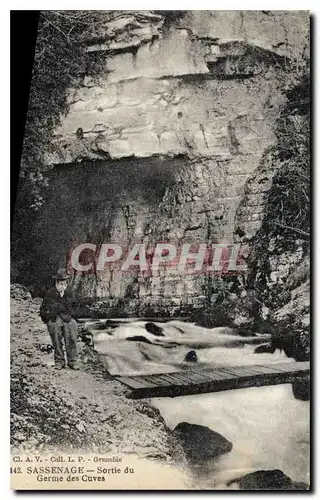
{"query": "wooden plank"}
(215, 374)
(147, 380)
(258, 370)
(230, 370)
(131, 382)
(180, 378)
(207, 369)
(138, 381)
(240, 372)
(265, 369)
(199, 380)
(171, 378)
(248, 371)
(275, 368)
(219, 375)
(292, 367)
(187, 377)
(199, 377)
(163, 380)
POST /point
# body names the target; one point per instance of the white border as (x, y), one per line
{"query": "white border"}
(313, 6)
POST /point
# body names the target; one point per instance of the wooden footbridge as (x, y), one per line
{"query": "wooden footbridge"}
(198, 379)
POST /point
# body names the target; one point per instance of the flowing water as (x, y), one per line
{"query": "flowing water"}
(268, 427)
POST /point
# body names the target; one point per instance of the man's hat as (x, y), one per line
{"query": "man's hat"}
(62, 275)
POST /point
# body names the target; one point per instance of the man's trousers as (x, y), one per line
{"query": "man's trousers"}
(60, 332)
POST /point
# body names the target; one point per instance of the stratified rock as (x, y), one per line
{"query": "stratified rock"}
(201, 443)
(153, 118)
(191, 356)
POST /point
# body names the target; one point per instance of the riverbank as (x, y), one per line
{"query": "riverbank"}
(263, 431)
(247, 432)
(73, 411)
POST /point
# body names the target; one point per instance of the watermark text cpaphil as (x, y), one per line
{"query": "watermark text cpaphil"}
(143, 258)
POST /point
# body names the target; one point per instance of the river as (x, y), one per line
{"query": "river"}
(268, 427)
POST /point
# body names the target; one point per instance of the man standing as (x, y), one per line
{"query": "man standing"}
(57, 311)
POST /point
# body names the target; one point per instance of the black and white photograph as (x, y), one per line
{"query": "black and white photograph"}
(160, 252)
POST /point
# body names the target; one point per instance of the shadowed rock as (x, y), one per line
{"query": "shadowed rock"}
(246, 331)
(265, 348)
(301, 389)
(139, 338)
(268, 480)
(300, 486)
(191, 356)
(109, 324)
(154, 329)
(201, 443)
(48, 348)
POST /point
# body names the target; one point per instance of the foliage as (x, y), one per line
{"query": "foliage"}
(286, 224)
(288, 202)
(60, 59)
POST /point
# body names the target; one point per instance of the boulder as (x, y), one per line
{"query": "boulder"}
(268, 480)
(88, 339)
(154, 329)
(139, 338)
(191, 356)
(201, 443)
(247, 330)
(264, 348)
(301, 389)
(300, 486)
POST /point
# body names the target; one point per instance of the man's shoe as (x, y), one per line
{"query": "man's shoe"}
(73, 366)
(59, 367)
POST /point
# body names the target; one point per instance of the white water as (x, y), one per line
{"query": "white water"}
(268, 427)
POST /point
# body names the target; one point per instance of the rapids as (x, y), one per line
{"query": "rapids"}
(268, 427)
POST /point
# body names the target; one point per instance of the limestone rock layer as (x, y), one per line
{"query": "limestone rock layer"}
(162, 144)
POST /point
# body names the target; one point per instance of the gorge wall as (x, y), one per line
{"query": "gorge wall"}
(169, 143)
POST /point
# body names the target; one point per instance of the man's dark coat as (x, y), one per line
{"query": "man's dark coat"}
(54, 305)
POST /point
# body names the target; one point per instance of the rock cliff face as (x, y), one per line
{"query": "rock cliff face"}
(161, 146)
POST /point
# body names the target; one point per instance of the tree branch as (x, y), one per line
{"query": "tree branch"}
(304, 233)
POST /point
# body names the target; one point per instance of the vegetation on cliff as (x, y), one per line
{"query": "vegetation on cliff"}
(281, 248)
(60, 59)
(288, 201)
